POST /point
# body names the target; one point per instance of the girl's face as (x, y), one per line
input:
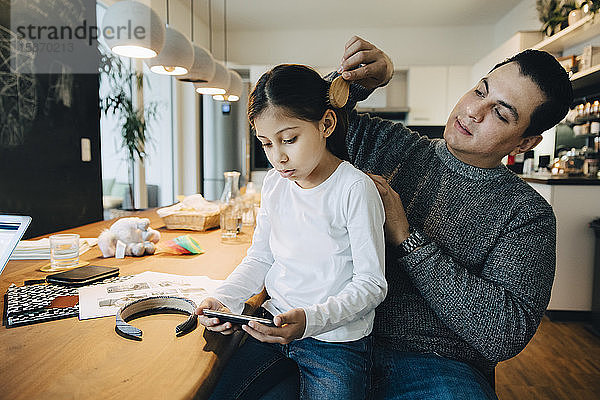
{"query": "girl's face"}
(296, 148)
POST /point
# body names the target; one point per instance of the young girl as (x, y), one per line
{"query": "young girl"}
(318, 249)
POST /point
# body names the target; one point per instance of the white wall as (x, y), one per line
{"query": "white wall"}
(406, 46)
(521, 18)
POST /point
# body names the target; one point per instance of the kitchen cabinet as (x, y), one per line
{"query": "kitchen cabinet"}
(433, 91)
(458, 84)
(572, 289)
(389, 98)
(427, 91)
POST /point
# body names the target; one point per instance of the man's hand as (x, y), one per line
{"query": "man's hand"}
(365, 64)
(290, 326)
(396, 224)
(213, 324)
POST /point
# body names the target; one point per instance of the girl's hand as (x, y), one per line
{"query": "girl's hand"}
(213, 324)
(365, 64)
(396, 224)
(290, 326)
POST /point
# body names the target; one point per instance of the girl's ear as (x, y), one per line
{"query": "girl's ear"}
(328, 123)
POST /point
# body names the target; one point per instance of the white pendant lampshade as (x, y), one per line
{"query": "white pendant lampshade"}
(218, 84)
(203, 68)
(176, 57)
(235, 88)
(144, 33)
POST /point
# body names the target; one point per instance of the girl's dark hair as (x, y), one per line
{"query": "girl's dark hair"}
(300, 92)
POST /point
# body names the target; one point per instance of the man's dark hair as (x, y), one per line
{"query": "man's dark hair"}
(300, 92)
(552, 79)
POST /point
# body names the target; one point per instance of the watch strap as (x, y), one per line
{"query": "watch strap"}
(415, 240)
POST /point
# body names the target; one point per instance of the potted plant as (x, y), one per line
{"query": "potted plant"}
(134, 119)
(554, 14)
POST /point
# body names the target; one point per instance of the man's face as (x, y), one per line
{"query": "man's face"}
(488, 122)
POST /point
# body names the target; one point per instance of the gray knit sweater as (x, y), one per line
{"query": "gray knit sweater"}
(477, 292)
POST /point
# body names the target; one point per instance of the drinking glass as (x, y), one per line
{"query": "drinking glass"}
(64, 250)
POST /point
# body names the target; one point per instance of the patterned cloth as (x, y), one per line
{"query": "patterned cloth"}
(31, 304)
(478, 291)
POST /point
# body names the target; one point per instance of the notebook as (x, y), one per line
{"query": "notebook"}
(12, 228)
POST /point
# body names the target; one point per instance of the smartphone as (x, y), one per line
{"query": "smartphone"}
(236, 318)
(83, 275)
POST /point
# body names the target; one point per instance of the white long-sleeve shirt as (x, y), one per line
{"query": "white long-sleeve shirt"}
(319, 249)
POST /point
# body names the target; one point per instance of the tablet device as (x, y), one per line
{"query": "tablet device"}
(83, 275)
(237, 319)
(12, 228)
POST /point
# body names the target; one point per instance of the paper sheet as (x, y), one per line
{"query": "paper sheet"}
(40, 249)
(105, 300)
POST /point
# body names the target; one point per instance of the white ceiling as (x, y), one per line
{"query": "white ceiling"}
(265, 15)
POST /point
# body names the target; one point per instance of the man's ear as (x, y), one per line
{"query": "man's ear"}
(328, 123)
(526, 144)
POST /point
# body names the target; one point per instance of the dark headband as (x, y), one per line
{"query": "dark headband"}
(153, 305)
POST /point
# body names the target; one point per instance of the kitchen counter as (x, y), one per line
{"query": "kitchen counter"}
(560, 179)
(576, 202)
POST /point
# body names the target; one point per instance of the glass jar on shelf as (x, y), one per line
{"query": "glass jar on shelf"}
(231, 207)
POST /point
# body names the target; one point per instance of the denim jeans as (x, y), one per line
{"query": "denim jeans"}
(269, 371)
(407, 376)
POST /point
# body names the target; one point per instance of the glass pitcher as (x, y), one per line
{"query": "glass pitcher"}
(231, 207)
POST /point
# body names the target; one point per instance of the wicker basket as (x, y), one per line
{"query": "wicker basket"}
(191, 220)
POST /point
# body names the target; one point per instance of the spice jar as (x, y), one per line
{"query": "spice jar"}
(595, 109)
(590, 165)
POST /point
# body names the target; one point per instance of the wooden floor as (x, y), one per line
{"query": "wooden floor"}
(561, 362)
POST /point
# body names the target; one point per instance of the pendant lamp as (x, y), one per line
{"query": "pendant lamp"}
(234, 92)
(218, 84)
(144, 33)
(177, 55)
(203, 67)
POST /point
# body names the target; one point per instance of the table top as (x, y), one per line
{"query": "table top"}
(86, 359)
(561, 180)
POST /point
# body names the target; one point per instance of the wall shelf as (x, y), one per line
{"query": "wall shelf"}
(588, 77)
(584, 29)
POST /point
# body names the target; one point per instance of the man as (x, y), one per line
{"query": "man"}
(471, 247)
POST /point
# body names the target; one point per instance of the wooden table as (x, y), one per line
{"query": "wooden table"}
(72, 359)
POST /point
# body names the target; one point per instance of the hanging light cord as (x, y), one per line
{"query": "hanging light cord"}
(192, 7)
(167, 12)
(210, 24)
(225, 27)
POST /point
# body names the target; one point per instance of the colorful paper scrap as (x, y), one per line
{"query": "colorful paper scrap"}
(181, 245)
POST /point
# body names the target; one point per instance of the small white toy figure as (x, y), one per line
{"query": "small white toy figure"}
(128, 237)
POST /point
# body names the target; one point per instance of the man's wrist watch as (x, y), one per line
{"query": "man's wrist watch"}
(415, 240)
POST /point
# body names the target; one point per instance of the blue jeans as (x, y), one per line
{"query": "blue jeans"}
(407, 376)
(269, 371)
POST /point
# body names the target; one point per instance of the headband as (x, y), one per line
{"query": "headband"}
(155, 304)
(339, 91)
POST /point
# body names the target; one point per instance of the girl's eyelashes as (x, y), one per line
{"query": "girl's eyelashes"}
(284, 141)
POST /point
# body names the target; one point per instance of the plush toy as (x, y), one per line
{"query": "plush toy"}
(128, 237)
